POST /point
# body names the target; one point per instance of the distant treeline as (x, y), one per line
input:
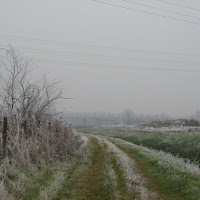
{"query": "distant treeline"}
(128, 117)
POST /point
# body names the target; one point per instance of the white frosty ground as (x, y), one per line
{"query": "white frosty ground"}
(167, 159)
(135, 181)
(4, 194)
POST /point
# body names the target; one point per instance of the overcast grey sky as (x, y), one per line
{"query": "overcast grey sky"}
(109, 57)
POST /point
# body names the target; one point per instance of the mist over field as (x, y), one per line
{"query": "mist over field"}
(108, 57)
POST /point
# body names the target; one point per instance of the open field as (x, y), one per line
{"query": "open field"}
(163, 174)
(185, 145)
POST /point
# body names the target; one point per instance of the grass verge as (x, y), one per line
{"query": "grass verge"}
(165, 180)
(185, 145)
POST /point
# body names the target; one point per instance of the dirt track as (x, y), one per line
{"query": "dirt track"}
(108, 174)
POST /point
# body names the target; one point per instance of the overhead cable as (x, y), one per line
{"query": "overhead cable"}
(146, 12)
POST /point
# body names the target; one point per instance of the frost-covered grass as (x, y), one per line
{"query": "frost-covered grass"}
(134, 179)
(164, 172)
(41, 181)
(51, 191)
(166, 159)
(4, 195)
(63, 170)
(185, 145)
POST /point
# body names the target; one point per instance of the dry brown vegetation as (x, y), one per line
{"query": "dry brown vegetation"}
(50, 142)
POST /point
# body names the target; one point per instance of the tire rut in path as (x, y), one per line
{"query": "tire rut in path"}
(105, 176)
(135, 180)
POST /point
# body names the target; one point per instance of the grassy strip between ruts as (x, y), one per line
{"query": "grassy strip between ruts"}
(121, 187)
(186, 145)
(167, 181)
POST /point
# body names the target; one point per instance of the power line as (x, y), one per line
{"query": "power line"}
(178, 5)
(141, 51)
(117, 66)
(51, 42)
(110, 57)
(177, 13)
(146, 12)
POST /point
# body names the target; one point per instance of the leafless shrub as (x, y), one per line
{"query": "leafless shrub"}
(19, 94)
(39, 143)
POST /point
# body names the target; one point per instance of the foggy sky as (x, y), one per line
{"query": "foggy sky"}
(100, 84)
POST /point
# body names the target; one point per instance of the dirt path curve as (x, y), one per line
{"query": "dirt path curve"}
(108, 175)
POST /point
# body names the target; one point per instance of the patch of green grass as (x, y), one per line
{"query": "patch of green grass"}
(37, 182)
(169, 182)
(71, 176)
(98, 182)
(93, 181)
(42, 179)
(186, 145)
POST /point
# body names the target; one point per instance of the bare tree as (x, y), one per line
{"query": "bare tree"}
(128, 117)
(20, 95)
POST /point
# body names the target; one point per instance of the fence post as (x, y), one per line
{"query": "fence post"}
(4, 135)
(25, 128)
(49, 127)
